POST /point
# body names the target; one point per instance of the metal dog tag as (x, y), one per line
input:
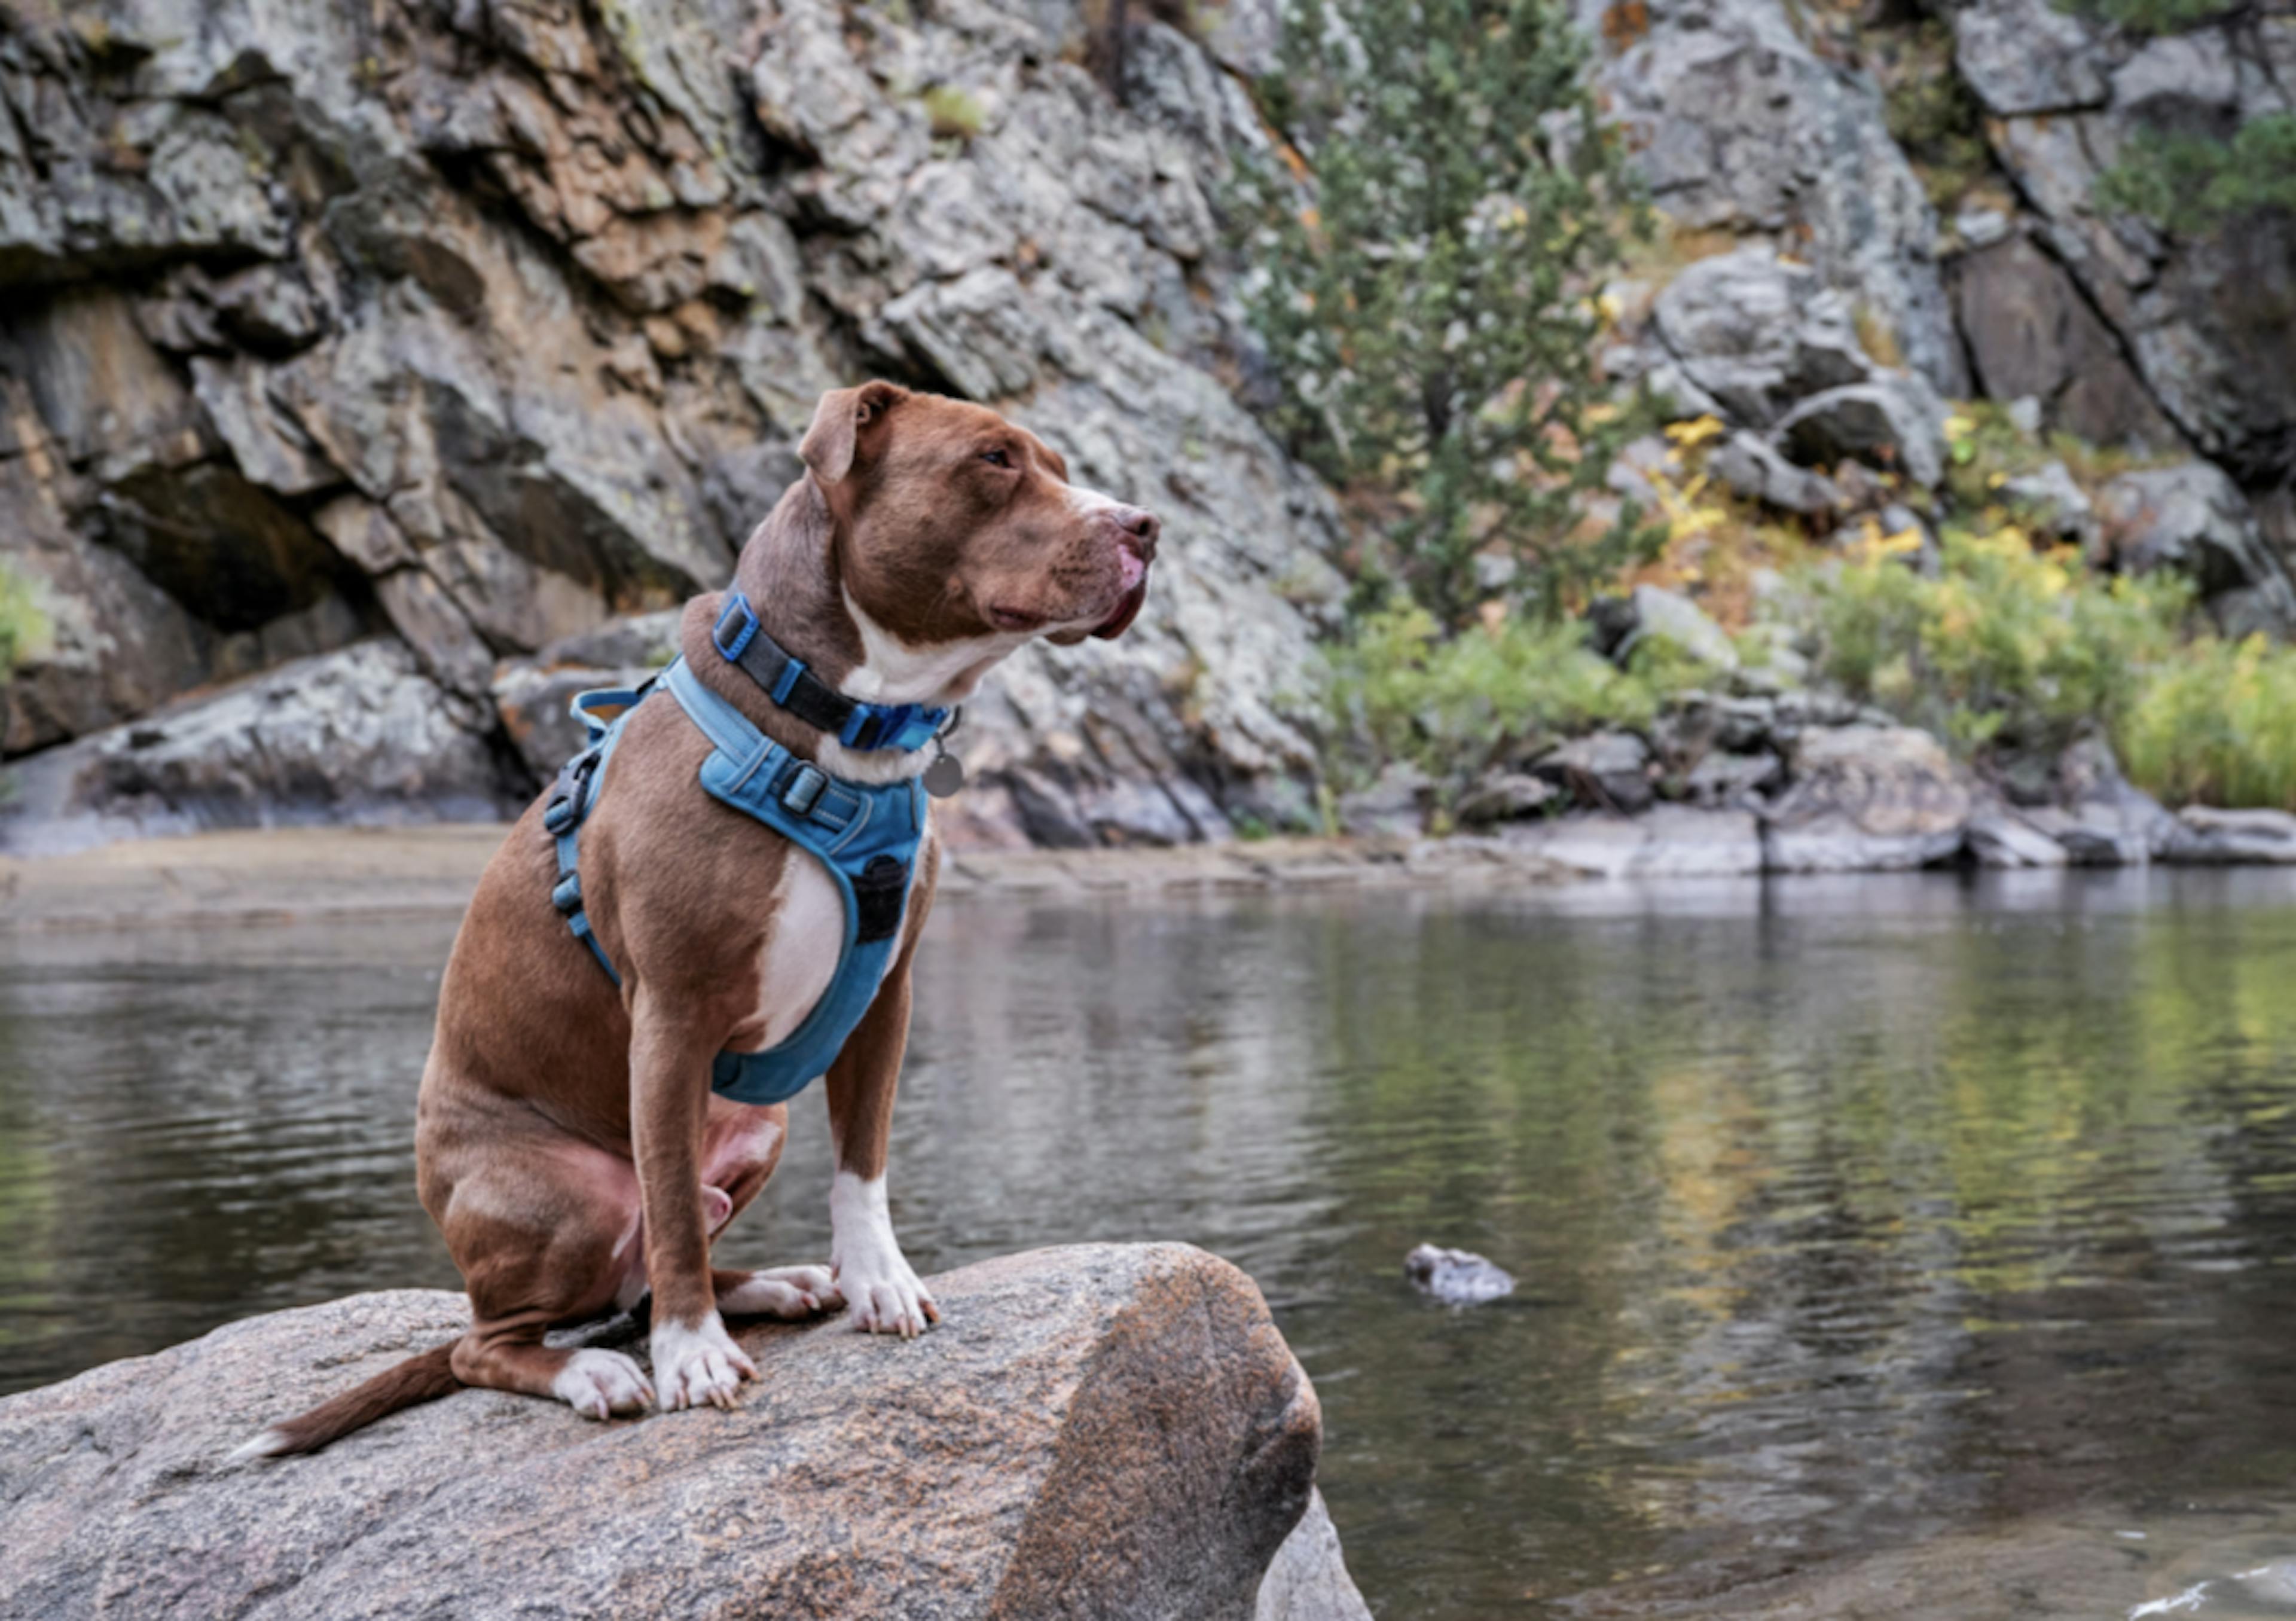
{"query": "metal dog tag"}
(944, 775)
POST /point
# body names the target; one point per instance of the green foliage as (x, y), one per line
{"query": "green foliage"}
(2192, 183)
(1423, 284)
(2218, 725)
(2004, 646)
(2157, 16)
(1934, 117)
(22, 627)
(1449, 705)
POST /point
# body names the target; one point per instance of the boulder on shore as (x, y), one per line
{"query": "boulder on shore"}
(1104, 1431)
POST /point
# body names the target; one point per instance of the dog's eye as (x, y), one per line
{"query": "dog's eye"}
(996, 458)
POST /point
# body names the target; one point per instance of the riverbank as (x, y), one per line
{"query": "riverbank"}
(259, 875)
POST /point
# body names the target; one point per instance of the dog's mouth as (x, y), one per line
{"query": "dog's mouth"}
(1126, 610)
(1127, 606)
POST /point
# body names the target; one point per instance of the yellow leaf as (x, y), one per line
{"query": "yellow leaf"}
(1610, 307)
(1692, 434)
(1995, 481)
(1959, 427)
(1903, 542)
(1601, 413)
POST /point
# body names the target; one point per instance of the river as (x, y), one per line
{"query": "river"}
(1853, 1218)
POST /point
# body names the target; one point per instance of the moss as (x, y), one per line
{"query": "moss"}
(956, 113)
(23, 627)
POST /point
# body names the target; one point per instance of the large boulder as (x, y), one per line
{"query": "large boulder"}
(1097, 1431)
(360, 737)
(2192, 519)
(1866, 797)
(1757, 332)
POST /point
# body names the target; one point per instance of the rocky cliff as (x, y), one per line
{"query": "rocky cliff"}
(383, 348)
(370, 376)
(1104, 1431)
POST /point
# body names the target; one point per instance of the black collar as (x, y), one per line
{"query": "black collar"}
(741, 641)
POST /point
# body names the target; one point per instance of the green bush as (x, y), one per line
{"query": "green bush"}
(2192, 183)
(2004, 646)
(2218, 726)
(1426, 257)
(1401, 690)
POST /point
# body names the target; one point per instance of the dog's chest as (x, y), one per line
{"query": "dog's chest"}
(799, 956)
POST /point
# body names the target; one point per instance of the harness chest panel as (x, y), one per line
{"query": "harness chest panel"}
(865, 837)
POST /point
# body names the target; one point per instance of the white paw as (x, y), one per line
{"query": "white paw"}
(599, 1384)
(887, 1298)
(871, 1273)
(783, 1291)
(699, 1366)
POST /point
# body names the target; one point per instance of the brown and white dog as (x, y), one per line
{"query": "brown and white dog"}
(568, 1141)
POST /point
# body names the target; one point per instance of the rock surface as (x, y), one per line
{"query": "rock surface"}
(1100, 1430)
(1738, 124)
(354, 738)
(481, 325)
(1866, 799)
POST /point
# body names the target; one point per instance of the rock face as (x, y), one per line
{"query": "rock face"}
(1097, 1431)
(2202, 322)
(478, 326)
(1740, 126)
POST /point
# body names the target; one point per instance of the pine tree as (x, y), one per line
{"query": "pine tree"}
(1424, 266)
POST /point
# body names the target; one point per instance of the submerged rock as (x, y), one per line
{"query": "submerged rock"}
(1457, 1277)
(1106, 1431)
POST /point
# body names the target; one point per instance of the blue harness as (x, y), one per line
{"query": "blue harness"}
(865, 837)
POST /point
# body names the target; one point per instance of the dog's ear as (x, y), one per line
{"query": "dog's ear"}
(829, 445)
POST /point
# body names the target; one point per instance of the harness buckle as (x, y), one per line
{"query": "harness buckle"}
(804, 790)
(738, 613)
(567, 895)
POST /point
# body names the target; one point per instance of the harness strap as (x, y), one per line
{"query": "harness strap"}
(802, 788)
(741, 641)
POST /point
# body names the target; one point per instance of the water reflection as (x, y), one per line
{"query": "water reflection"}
(1849, 1214)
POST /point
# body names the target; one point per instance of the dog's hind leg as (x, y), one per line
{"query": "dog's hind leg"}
(545, 1229)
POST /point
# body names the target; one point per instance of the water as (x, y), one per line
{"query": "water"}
(1880, 1219)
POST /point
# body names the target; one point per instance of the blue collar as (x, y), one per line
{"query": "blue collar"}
(741, 641)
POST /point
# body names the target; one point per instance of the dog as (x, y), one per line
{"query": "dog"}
(570, 1144)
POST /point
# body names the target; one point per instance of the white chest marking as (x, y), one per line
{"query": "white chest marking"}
(800, 953)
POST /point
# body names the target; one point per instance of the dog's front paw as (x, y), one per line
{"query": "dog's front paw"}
(600, 1384)
(698, 1365)
(886, 1296)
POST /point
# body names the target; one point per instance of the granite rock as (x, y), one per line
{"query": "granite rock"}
(1101, 1431)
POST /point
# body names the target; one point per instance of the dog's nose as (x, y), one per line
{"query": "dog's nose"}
(1140, 529)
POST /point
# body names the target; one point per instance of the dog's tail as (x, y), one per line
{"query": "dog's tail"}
(419, 1379)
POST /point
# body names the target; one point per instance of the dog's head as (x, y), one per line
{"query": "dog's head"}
(954, 524)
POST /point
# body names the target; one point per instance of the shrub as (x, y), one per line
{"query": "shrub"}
(2192, 184)
(2004, 646)
(1424, 269)
(1450, 705)
(2218, 726)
